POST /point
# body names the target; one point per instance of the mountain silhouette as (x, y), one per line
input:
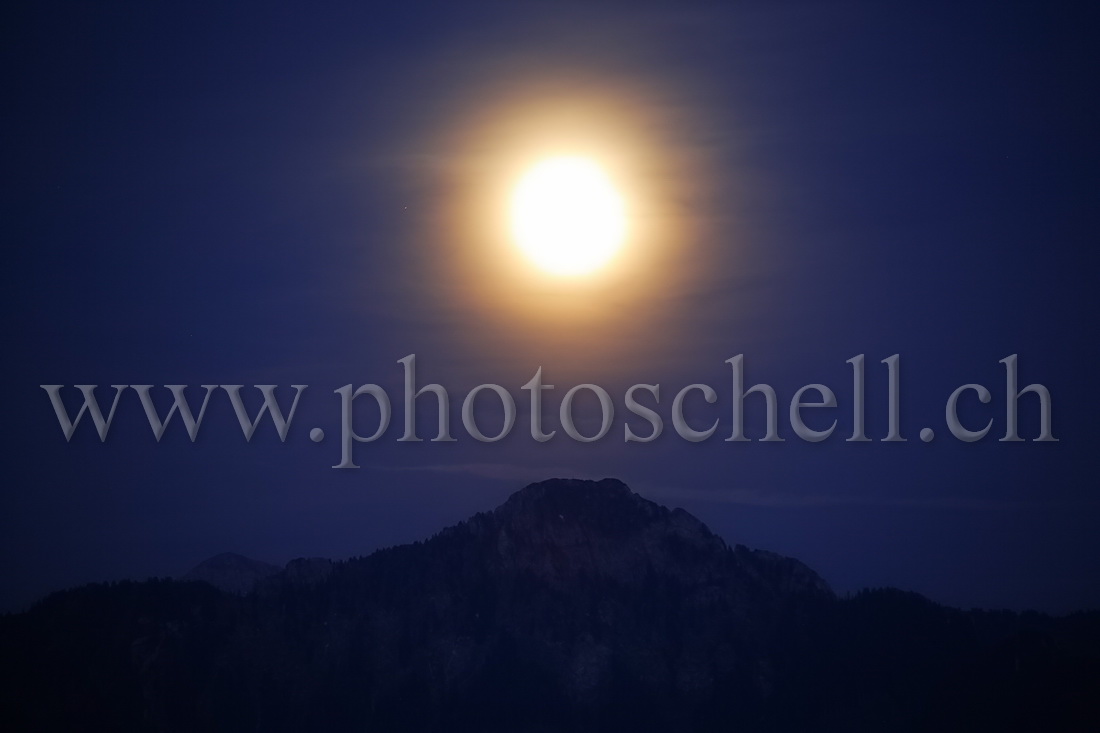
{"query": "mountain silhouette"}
(574, 606)
(231, 572)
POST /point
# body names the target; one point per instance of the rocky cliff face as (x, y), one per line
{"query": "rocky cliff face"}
(565, 531)
(576, 605)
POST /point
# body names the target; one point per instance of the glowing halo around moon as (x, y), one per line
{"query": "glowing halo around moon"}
(567, 216)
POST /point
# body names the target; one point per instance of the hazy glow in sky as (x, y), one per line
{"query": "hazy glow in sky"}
(333, 190)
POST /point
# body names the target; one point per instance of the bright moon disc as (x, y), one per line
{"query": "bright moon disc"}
(567, 216)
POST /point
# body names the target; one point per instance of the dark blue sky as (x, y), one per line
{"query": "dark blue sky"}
(206, 195)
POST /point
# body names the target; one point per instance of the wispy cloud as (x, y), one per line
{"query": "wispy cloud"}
(673, 495)
(777, 499)
(504, 471)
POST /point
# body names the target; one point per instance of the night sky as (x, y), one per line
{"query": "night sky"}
(198, 194)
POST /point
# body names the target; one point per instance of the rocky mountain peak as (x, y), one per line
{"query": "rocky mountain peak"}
(607, 505)
(231, 572)
(565, 531)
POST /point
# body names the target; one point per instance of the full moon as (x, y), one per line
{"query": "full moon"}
(567, 216)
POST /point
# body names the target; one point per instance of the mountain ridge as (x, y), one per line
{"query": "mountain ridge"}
(231, 572)
(574, 605)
